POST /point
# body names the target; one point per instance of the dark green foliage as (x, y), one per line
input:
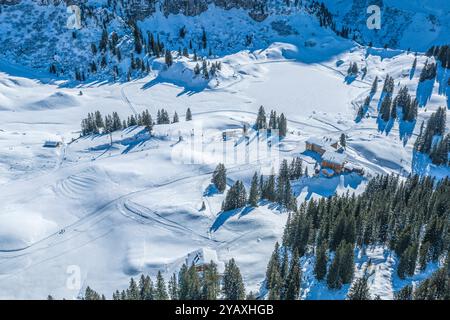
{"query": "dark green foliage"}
(428, 72)
(359, 289)
(219, 177)
(374, 87)
(90, 294)
(261, 121)
(385, 108)
(406, 293)
(410, 217)
(435, 128)
(188, 114)
(160, 290)
(236, 197)
(233, 286)
(293, 279)
(320, 268)
(254, 195)
(210, 282)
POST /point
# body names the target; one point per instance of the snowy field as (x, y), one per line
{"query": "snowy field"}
(133, 207)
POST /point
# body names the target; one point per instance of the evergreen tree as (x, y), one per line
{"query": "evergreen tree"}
(374, 88)
(293, 280)
(90, 294)
(261, 121)
(233, 286)
(168, 58)
(282, 125)
(385, 109)
(146, 290)
(320, 268)
(210, 282)
(173, 287)
(254, 192)
(133, 291)
(175, 118)
(359, 290)
(343, 140)
(161, 291)
(219, 178)
(236, 197)
(188, 115)
(406, 293)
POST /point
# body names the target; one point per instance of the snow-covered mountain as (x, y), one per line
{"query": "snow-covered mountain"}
(105, 207)
(35, 33)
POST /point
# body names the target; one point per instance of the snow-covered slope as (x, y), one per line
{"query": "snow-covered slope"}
(115, 211)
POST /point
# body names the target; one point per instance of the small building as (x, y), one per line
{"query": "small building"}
(334, 160)
(52, 144)
(321, 145)
(202, 257)
(349, 167)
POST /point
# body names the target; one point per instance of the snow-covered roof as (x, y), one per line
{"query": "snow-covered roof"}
(334, 157)
(322, 142)
(204, 256)
(50, 143)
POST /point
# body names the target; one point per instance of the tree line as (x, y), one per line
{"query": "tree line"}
(273, 188)
(432, 139)
(191, 283)
(95, 123)
(410, 217)
(275, 122)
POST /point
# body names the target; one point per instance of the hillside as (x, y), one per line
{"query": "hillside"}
(128, 203)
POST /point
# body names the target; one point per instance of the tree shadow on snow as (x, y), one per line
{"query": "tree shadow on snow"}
(225, 215)
(424, 91)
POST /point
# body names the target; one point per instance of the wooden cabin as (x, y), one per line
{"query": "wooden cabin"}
(52, 144)
(321, 145)
(334, 160)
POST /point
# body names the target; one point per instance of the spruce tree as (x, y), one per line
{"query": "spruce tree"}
(210, 282)
(359, 290)
(293, 280)
(188, 115)
(320, 267)
(233, 286)
(254, 192)
(161, 291)
(133, 291)
(173, 287)
(219, 178)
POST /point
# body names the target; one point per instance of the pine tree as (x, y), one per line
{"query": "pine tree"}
(261, 121)
(320, 268)
(233, 286)
(161, 291)
(293, 280)
(168, 58)
(406, 293)
(385, 109)
(374, 88)
(146, 290)
(175, 118)
(219, 178)
(282, 125)
(254, 192)
(188, 115)
(90, 294)
(359, 290)
(133, 291)
(343, 140)
(173, 287)
(210, 282)
(236, 197)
